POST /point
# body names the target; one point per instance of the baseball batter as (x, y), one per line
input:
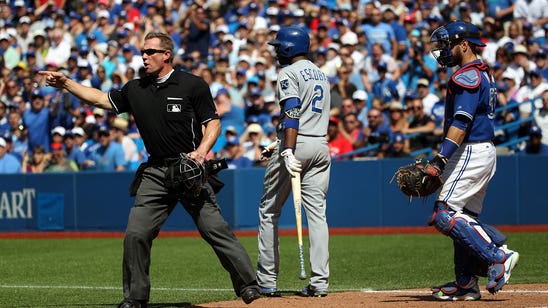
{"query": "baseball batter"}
(303, 92)
(467, 158)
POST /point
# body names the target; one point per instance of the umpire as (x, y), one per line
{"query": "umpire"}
(170, 109)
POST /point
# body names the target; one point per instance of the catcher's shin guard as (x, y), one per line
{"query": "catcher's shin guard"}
(468, 232)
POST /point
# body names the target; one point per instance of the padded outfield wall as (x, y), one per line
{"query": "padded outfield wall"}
(360, 195)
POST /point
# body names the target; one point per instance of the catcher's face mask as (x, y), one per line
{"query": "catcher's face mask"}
(441, 47)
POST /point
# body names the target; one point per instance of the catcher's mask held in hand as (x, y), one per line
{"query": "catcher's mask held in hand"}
(413, 181)
(185, 175)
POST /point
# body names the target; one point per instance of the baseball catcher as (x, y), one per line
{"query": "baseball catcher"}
(421, 178)
(467, 161)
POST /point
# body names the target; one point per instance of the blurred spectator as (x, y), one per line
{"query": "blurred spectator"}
(18, 135)
(197, 24)
(428, 99)
(360, 100)
(379, 32)
(541, 62)
(397, 147)
(118, 133)
(396, 116)
(384, 89)
(350, 129)
(59, 161)
(11, 54)
(37, 161)
(231, 115)
(508, 115)
(63, 108)
(520, 64)
(108, 156)
(12, 91)
(80, 138)
(541, 116)
(130, 59)
(73, 151)
(234, 154)
(8, 162)
(390, 16)
(534, 144)
(238, 86)
(371, 63)
(419, 65)
(251, 141)
(502, 10)
(344, 86)
(421, 124)
(4, 125)
(532, 89)
(338, 145)
(37, 121)
(256, 107)
(438, 110)
(58, 134)
(337, 107)
(59, 51)
(100, 117)
(376, 133)
(348, 62)
(533, 12)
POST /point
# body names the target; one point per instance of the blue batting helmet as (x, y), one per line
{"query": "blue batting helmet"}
(444, 38)
(291, 41)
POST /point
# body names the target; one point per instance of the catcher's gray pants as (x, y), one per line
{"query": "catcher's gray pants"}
(153, 204)
(316, 164)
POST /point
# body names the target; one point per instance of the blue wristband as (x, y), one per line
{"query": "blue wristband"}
(448, 147)
(291, 123)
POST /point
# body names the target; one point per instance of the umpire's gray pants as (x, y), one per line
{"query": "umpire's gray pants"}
(153, 204)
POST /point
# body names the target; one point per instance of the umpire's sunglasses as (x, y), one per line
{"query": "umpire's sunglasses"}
(151, 51)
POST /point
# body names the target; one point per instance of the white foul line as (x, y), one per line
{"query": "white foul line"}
(231, 290)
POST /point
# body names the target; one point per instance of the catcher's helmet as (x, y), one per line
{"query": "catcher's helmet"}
(443, 38)
(291, 41)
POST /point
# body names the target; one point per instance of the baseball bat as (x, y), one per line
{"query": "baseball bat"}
(296, 188)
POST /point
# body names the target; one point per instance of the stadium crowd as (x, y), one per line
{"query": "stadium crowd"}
(387, 90)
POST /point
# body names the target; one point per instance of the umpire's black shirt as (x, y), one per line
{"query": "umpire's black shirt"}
(169, 115)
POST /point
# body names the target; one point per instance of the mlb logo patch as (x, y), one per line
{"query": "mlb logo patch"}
(173, 107)
(284, 84)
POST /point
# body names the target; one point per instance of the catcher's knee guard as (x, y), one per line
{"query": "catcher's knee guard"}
(468, 232)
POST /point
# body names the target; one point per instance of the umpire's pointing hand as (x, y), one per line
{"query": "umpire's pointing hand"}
(54, 79)
(292, 165)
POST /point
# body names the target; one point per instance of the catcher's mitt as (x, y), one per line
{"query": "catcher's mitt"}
(185, 175)
(415, 182)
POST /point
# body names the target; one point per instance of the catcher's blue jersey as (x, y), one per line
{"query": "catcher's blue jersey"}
(472, 93)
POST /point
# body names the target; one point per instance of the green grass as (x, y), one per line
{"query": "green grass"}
(357, 262)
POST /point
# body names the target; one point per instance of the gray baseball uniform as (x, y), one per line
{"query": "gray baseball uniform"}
(307, 82)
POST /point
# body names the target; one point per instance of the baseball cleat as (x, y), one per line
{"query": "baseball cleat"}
(310, 291)
(250, 294)
(128, 303)
(499, 274)
(452, 292)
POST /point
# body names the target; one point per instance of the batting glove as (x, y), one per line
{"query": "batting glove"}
(292, 165)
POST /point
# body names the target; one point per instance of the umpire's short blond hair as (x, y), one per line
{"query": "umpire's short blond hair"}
(165, 42)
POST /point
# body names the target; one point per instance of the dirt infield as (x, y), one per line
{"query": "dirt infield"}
(521, 295)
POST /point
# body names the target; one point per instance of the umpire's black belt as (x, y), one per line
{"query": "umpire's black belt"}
(160, 161)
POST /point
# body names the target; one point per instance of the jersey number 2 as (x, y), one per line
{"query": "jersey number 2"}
(317, 100)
